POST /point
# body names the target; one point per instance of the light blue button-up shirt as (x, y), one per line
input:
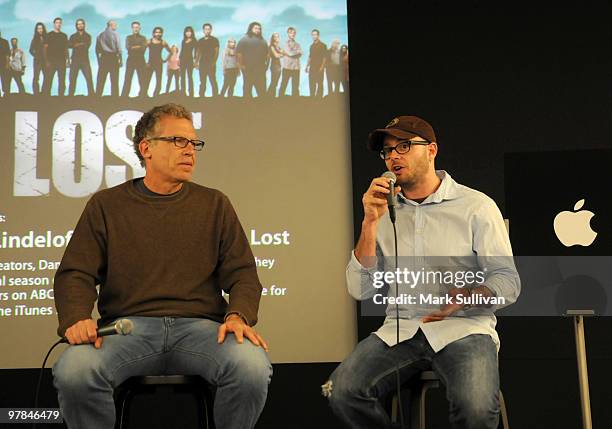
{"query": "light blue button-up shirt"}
(108, 41)
(458, 224)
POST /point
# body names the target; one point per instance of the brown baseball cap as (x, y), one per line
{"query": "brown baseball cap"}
(402, 127)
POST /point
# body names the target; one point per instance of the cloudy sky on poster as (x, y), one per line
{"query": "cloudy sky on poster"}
(230, 18)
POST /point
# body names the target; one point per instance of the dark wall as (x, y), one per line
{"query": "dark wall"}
(490, 79)
(493, 79)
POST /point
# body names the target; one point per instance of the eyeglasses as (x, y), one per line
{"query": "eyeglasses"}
(401, 148)
(181, 142)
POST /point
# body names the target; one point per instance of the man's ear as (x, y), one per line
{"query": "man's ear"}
(145, 148)
(433, 150)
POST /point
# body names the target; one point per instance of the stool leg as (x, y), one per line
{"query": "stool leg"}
(503, 411)
(208, 399)
(202, 411)
(206, 411)
(124, 409)
(416, 398)
(394, 409)
(418, 405)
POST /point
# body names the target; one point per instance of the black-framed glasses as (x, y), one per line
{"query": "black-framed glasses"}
(401, 148)
(181, 142)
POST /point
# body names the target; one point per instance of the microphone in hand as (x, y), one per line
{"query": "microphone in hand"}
(120, 327)
(391, 200)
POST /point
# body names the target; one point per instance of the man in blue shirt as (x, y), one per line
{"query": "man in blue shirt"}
(443, 228)
(108, 51)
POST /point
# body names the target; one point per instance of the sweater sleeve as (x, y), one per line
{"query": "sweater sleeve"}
(236, 268)
(82, 268)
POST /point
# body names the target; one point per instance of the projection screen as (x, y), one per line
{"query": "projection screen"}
(281, 154)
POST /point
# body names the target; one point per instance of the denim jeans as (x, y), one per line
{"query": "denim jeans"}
(85, 376)
(467, 367)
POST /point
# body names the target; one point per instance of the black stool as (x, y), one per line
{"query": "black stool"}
(429, 380)
(150, 383)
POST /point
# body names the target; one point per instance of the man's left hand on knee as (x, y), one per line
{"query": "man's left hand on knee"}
(234, 323)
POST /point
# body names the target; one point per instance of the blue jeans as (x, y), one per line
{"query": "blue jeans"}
(467, 367)
(85, 376)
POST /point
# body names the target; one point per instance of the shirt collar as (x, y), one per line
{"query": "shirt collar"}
(448, 190)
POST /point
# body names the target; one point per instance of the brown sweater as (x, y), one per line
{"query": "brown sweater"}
(152, 256)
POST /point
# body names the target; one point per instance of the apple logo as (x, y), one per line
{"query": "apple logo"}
(573, 228)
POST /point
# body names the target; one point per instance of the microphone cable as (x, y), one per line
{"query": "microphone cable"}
(397, 332)
(392, 216)
(40, 375)
(121, 327)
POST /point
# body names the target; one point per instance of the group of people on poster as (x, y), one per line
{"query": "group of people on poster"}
(251, 56)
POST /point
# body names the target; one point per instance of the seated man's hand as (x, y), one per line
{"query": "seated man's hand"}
(83, 332)
(448, 309)
(235, 324)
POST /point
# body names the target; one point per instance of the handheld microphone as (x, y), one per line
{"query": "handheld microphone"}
(120, 327)
(392, 178)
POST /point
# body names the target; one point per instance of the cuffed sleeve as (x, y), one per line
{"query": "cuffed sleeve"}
(359, 279)
(494, 252)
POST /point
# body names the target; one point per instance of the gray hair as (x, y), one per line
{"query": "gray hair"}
(148, 122)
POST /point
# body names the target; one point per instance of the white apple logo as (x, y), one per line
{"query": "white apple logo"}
(574, 227)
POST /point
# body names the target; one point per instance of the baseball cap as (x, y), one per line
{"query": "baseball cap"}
(401, 127)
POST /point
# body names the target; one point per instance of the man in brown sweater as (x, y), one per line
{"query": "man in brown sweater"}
(162, 250)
